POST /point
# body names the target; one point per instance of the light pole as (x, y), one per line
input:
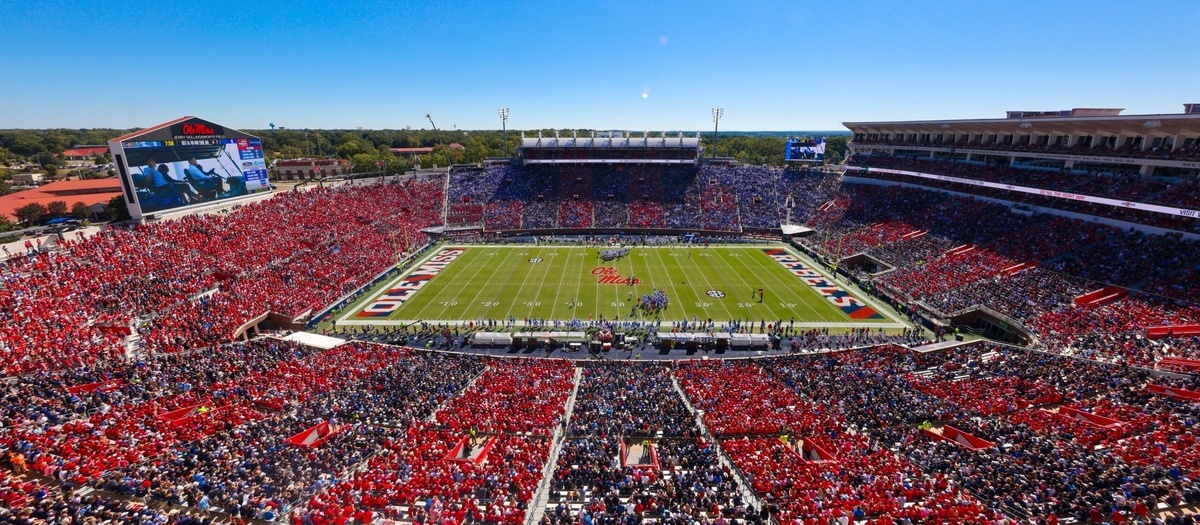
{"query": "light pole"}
(504, 127)
(717, 113)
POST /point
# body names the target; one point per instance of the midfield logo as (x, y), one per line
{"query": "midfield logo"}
(609, 275)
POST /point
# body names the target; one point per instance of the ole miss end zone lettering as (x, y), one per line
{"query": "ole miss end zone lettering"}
(403, 290)
(835, 294)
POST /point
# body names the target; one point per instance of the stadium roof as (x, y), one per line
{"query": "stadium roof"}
(178, 129)
(71, 187)
(1027, 122)
(612, 141)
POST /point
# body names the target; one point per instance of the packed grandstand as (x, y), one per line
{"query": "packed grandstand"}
(142, 385)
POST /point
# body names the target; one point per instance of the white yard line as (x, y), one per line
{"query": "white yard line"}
(789, 287)
(495, 290)
(478, 268)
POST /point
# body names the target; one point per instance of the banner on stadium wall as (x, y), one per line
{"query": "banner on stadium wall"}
(835, 294)
(313, 436)
(103, 386)
(403, 290)
(1182, 212)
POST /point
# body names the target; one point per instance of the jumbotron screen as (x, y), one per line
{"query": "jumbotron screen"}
(805, 150)
(198, 164)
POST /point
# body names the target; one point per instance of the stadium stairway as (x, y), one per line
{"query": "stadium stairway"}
(748, 495)
(433, 415)
(541, 498)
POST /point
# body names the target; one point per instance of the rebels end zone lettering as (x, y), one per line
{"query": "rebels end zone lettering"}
(830, 291)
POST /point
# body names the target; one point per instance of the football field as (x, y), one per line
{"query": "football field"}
(461, 284)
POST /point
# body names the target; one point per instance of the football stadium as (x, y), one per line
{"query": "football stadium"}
(622, 326)
(991, 320)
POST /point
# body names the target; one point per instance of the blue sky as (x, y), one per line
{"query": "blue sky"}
(791, 65)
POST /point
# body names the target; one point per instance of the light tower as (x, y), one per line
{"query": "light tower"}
(717, 113)
(503, 112)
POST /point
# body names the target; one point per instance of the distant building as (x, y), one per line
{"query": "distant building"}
(84, 152)
(28, 179)
(310, 169)
(93, 193)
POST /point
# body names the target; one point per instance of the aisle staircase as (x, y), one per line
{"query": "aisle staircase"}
(541, 497)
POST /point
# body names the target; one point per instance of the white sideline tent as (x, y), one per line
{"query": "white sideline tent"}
(323, 342)
(795, 229)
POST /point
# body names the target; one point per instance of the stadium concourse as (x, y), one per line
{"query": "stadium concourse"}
(129, 397)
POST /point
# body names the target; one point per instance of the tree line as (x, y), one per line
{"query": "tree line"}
(366, 150)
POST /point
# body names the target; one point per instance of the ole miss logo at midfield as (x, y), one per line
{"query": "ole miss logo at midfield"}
(609, 275)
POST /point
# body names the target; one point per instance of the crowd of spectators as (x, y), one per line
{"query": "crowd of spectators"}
(28, 502)
(716, 197)
(952, 254)
(1045, 461)
(816, 436)
(622, 405)
(1125, 187)
(1121, 186)
(190, 282)
(617, 399)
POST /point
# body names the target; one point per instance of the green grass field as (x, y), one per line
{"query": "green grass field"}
(558, 282)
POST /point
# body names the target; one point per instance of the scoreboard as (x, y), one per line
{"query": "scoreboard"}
(805, 150)
(188, 162)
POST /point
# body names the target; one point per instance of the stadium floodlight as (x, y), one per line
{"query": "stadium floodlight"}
(503, 112)
(717, 113)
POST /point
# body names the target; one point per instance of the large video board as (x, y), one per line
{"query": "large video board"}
(189, 162)
(805, 150)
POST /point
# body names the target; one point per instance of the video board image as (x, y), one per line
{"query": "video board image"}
(799, 150)
(174, 173)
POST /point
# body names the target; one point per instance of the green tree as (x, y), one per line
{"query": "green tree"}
(117, 209)
(79, 210)
(836, 149)
(398, 165)
(31, 214)
(477, 149)
(57, 208)
(6, 224)
(348, 150)
(364, 162)
(22, 142)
